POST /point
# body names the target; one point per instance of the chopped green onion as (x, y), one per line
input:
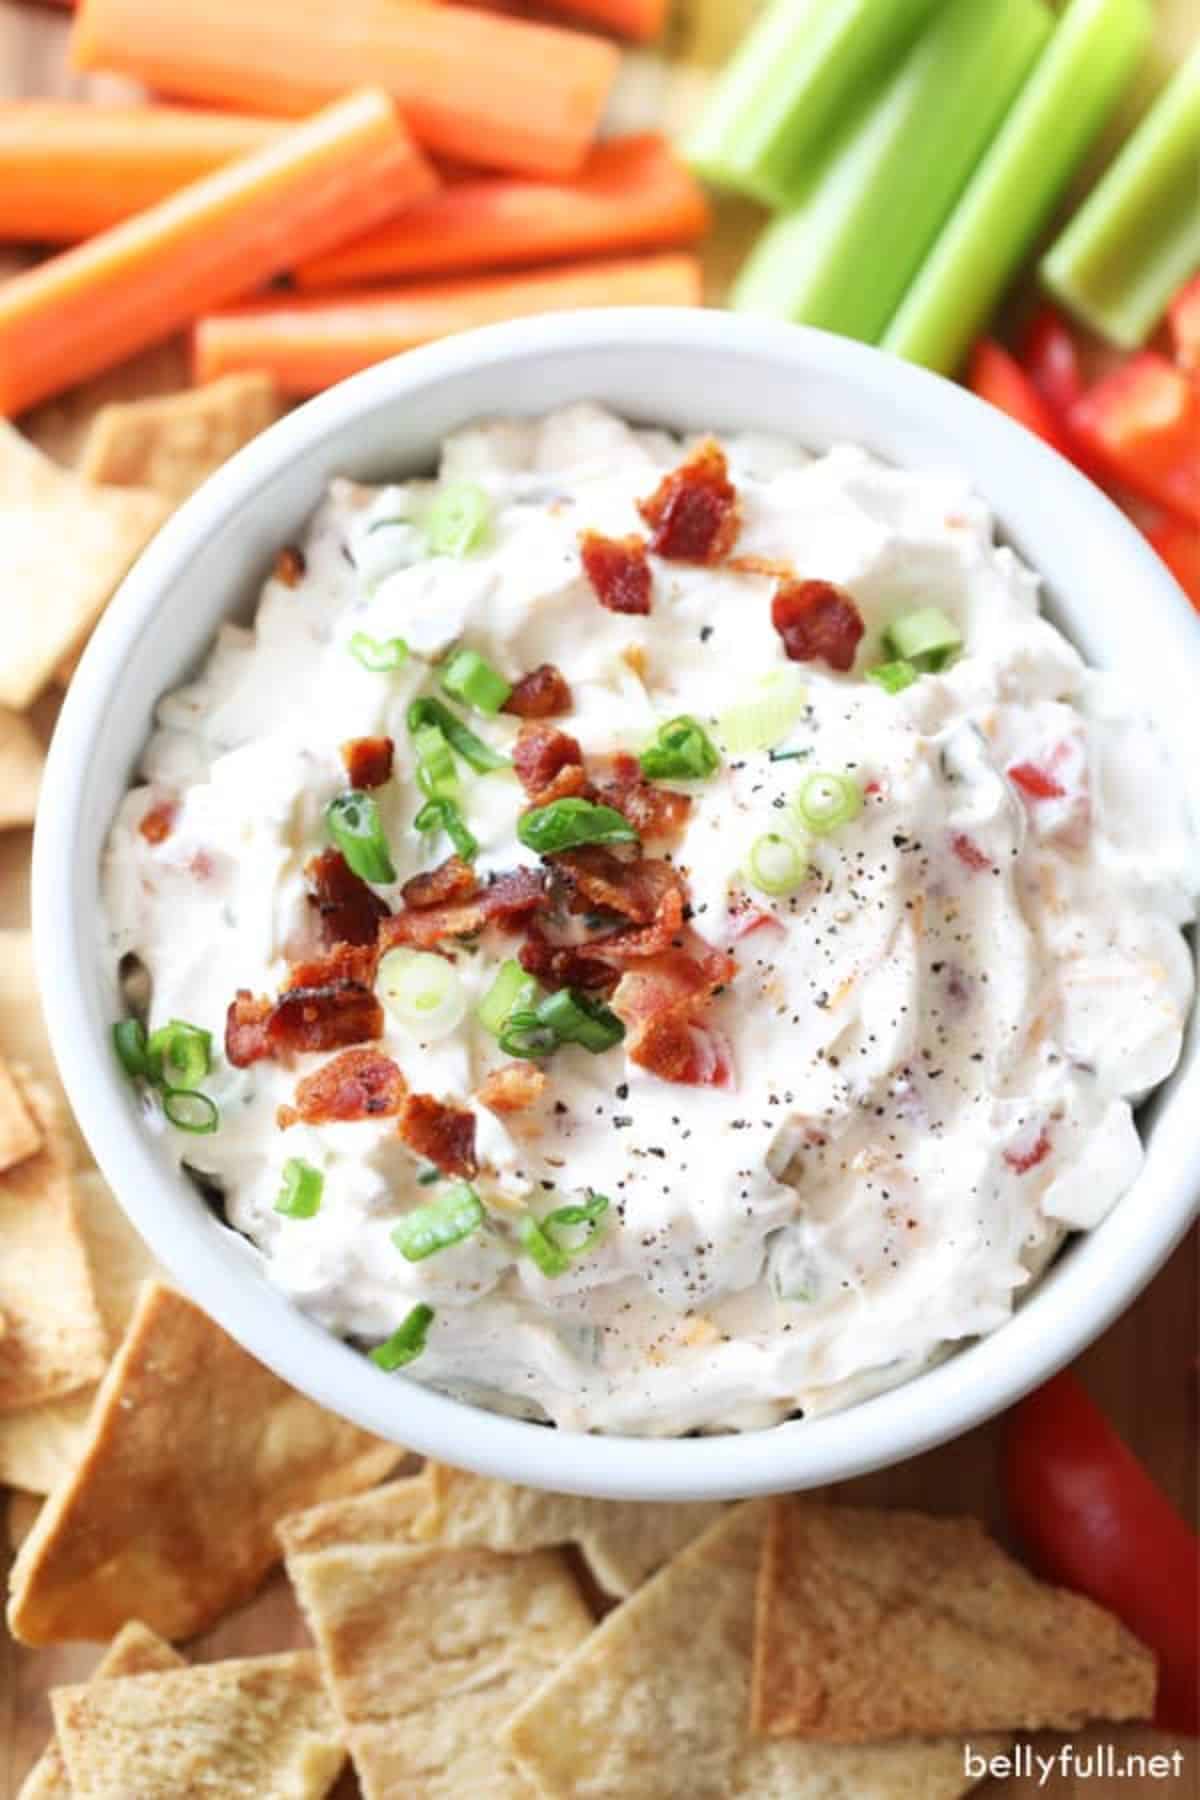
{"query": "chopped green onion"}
(439, 1224)
(469, 678)
(926, 638)
(444, 814)
(421, 990)
(524, 1035)
(179, 1054)
(462, 740)
(300, 1195)
(1094, 49)
(407, 1343)
(189, 1111)
(437, 771)
(355, 827)
(1136, 238)
(776, 865)
(458, 519)
(893, 677)
(129, 1042)
(826, 802)
(378, 655)
(869, 208)
(550, 1259)
(564, 824)
(775, 708)
(429, 1177)
(682, 751)
(514, 990)
(575, 1018)
(571, 1219)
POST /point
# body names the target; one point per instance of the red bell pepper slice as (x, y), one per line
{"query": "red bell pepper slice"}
(1050, 357)
(997, 376)
(1141, 423)
(1092, 1519)
(1183, 323)
(1178, 543)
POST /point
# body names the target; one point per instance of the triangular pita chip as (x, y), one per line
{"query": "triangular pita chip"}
(655, 1705)
(23, 1509)
(623, 1541)
(175, 441)
(426, 1652)
(134, 1651)
(23, 1037)
(255, 1726)
(194, 1452)
(21, 760)
(54, 1342)
(877, 1624)
(67, 546)
(40, 1445)
(20, 1134)
(385, 1515)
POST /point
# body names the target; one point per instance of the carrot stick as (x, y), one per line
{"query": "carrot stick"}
(309, 344)
(638, 19)
(222, 237)
(69, 169)
(631, 194)
(493, 91)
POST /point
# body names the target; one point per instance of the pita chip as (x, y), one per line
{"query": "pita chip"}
(877, 1624)
(623, 1542)
(384, 1515)
(655, 1704)
(23, 1037)
(40, 1445)
(427, 1651)
(54, 1341)
(67, 546)
(60, 427)
(21, 760)
(23, 1509)
(259, 1726)
(134, 1651)
(193, 1452)
(174, 442)
(20, 1135)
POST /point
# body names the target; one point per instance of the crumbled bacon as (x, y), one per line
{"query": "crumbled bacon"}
(247, 1038)
(1021, 1161)
(540, 752)
(325, 1018)
(655, 812)
(969, 853)
(344, 962)
(564, 965)
(1039, 784)
(540, 694)
(762, 565)
(159, 822)
(452, 880)
(290, 566)
(662, 1002)
(694, 513)
(369, 761)
(570, 782)
(443, 1135)
(618, 570)
(350, 912)
(505, 900)
(636, 890)
(358, 1084)
(818, 622)
(512, 1088)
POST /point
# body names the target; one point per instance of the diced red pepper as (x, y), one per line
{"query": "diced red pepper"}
(1142, 424)
(969, 853)
(1050, 357)
(1183, 322)
(1178, 543)
(1039, 784)
(997, 377)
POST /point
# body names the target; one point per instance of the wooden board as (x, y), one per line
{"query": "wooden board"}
(1143, 1371)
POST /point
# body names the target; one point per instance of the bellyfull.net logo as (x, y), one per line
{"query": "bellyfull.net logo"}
(1100, 1762)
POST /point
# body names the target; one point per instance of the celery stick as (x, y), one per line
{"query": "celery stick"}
(843, 260)
(798, 70)
(1093, 52)
(1136, 238)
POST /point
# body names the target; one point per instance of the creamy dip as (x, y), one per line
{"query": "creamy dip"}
(931, 1048)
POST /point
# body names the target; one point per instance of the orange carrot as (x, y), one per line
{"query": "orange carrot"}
(222, 237)
(309, 344)
(631, 194)
(494, 91)
(69, 169)
(640, 19)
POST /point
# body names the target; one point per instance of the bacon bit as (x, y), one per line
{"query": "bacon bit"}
(443, 1135)
(1021, 1161)
(694, 512)
(369, 761)
(345, 962)
(505, 900)
(158, 824)
(325, 1018)
(358, 1084)
(453, 879)
(762, 565)
(350, 912)
(540, 752)
(540, 694)
(661, 1003)
(655, 812)
(247, 1039)
(969, 853)
(290, 566)
(650, 940)
(636, 890)
(618, 571)
(513, 1088)
(569, 782)
(818, 622)
(1037, 783)
(564, 965)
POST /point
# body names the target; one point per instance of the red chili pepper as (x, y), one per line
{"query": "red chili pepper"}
(1091, 1518)
(997, 376)
(1051, 359)
(1183, 322)
(1178, 543)
(1141, 423)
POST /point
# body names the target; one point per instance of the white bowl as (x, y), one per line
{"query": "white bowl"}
(687, 370)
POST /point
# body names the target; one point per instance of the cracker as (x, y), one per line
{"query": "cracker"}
(259, 1726)
(55, 1342)
(655, 1704)
(875, 1624)
(134, 1651)
(21, 760)
(175, 442)
(67, 546)
(20, 1134)
(427, 1651)
(23, 1037)
(194, 1451)
(623, 1542)
(60, 426)
(384, 1515)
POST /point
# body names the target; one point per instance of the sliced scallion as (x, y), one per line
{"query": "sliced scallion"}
(179, 1054)
(828, 801)
(927, 638)
(423, 991)
(771, 710)
(129, 1042)
(567, 1221)
(379, 655)
(303, 1186)
(682, 751)
(189, 1111)
(406, 1343)
(437, 772)
(513, 990)
(354, 825)
(524, 1036)
(439, 1224)
(576, 1018)
(776, 865)
(461, 739)
(445, 814)
(894, 677)
(458, 520)
(550, 1259)
(468, 677)
(565, 824)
